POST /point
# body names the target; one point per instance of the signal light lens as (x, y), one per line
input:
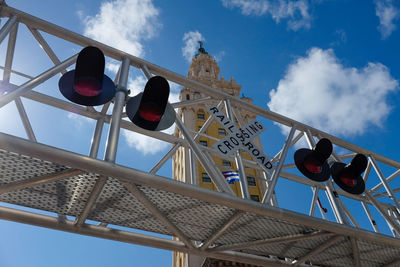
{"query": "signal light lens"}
(312, 165)
(150, 111)
(348, 179)
(87, 86)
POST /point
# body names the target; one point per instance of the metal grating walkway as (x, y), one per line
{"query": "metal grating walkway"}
(254, 234)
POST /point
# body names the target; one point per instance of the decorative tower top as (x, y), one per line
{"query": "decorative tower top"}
(206, 70)
(201, 50)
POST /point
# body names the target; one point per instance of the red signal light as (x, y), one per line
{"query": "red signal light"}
(150, 111)
(313, 163)
(348, 180)
(348, 177)
(87, 85)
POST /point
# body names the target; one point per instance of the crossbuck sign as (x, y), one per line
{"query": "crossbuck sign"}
(241, 138)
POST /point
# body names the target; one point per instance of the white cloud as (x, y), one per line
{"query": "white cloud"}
(218, 57)
(145, 144)
(295, 11)
(191, 40)
(388, 13)
(123, 24)
(79, 121)
(319, 91)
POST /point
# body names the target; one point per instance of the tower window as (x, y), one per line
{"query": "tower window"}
(255, 198)
(205, 178)
(187, 97)
(226, 163)
(251, 181)
(200, 116)
(203, 143)
(221, 132)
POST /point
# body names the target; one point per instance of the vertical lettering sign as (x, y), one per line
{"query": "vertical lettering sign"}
(240, 137)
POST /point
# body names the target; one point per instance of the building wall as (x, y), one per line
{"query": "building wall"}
(205, 70)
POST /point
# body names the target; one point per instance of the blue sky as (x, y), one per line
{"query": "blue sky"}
(285, 54)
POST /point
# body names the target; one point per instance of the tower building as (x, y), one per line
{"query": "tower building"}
(186, 167)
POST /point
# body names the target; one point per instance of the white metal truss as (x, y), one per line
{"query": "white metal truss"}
(214, 224)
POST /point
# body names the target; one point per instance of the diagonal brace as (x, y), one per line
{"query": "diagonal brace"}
(39, 180)
(157, 213)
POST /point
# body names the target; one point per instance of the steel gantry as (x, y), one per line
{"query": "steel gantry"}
(214, 224)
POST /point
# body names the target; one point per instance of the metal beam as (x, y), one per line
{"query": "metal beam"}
(90, 202)
(275, 175)
(377, 205)
(214, 236)
(128, 237)
(125, 174)
(5, 99)
(164, 159)
(112, 140)
(186, 103)
(7, 27)
(356, 252)
(179, 79)
(215, 175)
(388, 179)
(317, 250)
(46, 47)
(244, 188)
(388, 189)
(39, 180)
(158, 214)
(273, 241)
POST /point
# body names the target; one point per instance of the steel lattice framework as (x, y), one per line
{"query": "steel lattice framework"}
(209, 223)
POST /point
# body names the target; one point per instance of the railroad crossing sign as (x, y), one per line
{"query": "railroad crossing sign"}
(241, 138)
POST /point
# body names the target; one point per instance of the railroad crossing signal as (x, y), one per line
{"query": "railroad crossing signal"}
(88, 85)
(348, 177)
(150, 110)
(313, 163)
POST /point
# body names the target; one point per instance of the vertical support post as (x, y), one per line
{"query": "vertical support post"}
(112, 140)
(238, 158)
(94, 147)
(188, 173)
(146, 72)
(10, 53)
(113, 134)
(385, 183)
(193, 168)
(274, 179)
(25, 120)
(314, 201)
(370, 218)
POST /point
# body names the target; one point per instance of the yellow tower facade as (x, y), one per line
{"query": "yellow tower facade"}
(186, 168)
